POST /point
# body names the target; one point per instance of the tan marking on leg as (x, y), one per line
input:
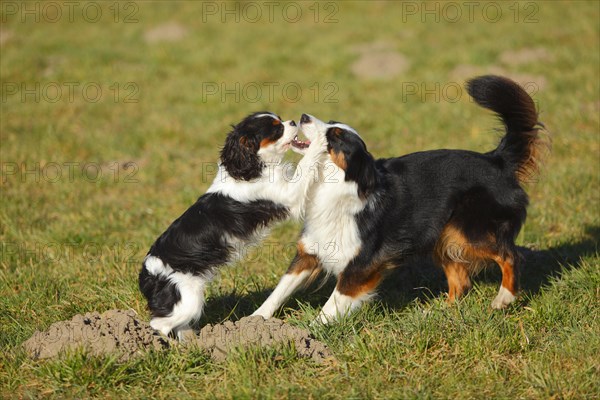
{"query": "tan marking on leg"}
(508, 273)
(458, 280)
(363, 283)
(451, 246)
(361, 288)
(461, 258)
(305, 262)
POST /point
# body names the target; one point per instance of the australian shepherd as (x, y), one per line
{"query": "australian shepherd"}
(462, 207)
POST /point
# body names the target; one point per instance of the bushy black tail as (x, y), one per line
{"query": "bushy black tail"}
(523, 147)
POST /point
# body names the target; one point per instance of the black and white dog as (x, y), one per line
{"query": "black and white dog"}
(463, 208)
(249, 193)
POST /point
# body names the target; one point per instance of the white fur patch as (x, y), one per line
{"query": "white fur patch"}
(503, 299)
(189, 308)
(267, 115)
(346, 128)
(330, 230)
(155, 266)
(273, 152)
(288, 284)
(339, 305)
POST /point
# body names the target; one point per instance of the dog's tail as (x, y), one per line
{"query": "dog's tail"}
(523, 147)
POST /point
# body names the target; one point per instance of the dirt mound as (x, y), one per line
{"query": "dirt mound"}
(114, 331)
(220, 339)
(122, 332)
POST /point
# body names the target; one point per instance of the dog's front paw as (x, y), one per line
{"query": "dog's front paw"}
(262, 313)
(321, 319)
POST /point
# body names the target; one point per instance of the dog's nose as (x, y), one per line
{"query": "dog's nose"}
(304, 119)
(292, 123)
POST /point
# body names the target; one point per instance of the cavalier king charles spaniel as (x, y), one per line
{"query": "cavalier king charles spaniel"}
(251, 191)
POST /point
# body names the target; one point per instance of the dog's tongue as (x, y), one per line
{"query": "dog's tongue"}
(300, 144)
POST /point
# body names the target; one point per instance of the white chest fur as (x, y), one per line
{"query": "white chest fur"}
(330, 230)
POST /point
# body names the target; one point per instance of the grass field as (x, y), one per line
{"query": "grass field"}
(110, 126)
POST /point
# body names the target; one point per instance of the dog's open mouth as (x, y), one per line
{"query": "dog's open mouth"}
(299, 144)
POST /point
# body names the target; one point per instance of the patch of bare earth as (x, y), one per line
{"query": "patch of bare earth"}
(169, 32)
(5, 35)
(378, 61)
(525, 56)
(122, 333)
(510, 58)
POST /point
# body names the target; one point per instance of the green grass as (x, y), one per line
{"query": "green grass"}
(75, 245)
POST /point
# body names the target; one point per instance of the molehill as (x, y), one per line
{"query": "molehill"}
(121, 332)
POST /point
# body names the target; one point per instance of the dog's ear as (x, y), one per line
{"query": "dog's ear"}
(361, 169)
(239, 157)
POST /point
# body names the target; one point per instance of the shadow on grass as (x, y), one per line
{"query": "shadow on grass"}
(421, 280)
(541, 265)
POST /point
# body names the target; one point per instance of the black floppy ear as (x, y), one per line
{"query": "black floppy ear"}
(361, 169)
(239, 157)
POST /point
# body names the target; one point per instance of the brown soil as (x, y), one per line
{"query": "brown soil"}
(5, 35)
(122, 332)
(378, 60)
(525, 56)
(170, 32)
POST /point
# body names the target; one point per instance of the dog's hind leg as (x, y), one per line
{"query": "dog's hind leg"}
(303, 268)
(459, 282)
(510, 273)
(187, 309)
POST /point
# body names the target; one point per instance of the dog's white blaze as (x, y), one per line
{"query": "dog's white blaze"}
(504, 298)
(285, 288)
(330, 230)
(267, 115)
(189, 308)
(346, 128)
(273, 152)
